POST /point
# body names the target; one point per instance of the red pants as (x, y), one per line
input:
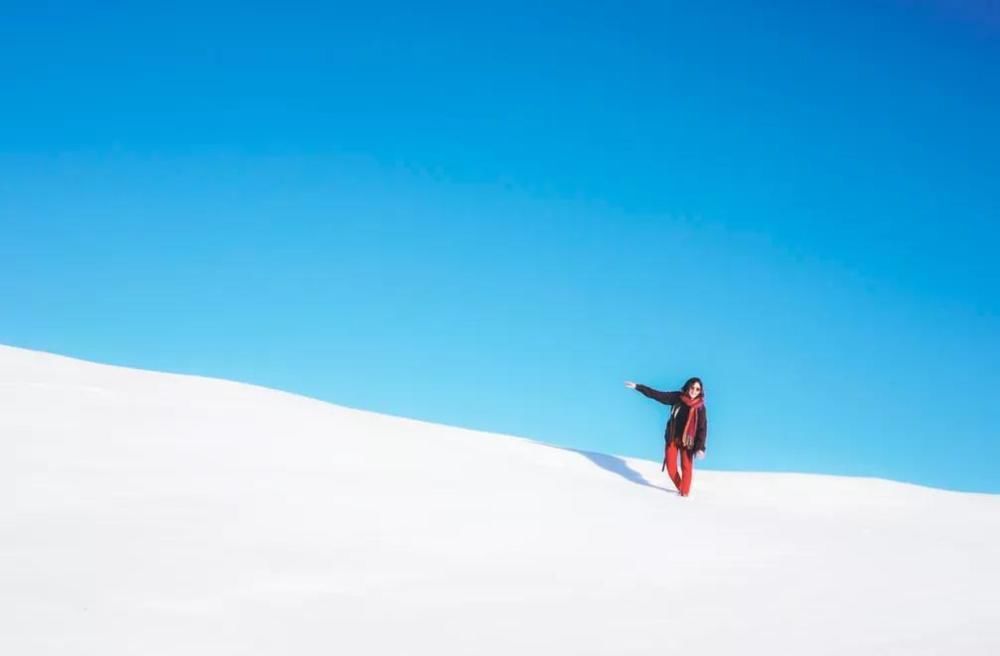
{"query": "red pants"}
(683, 480)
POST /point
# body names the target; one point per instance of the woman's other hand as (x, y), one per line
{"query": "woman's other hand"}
(629, 384)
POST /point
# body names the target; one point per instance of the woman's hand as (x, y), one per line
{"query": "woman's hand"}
(629, 384)
(700, 455)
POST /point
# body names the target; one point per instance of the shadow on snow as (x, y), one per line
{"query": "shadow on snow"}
(617, 466)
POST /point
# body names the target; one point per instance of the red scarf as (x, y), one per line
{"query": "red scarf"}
(691, 425)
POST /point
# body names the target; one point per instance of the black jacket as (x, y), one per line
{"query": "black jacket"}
(678, 417)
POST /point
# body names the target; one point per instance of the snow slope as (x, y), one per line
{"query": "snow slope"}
(148, 513)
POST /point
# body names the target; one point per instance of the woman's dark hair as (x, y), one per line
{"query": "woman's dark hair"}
(692, 381)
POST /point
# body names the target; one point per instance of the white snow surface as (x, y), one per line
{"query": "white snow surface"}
(150, 513)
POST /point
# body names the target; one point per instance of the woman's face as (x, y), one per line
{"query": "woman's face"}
(695, 390)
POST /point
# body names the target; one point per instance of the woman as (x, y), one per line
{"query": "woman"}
(687, 429)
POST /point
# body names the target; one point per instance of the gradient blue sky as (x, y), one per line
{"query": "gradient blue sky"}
(492, 215)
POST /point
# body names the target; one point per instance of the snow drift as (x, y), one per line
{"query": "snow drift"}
(149, 513)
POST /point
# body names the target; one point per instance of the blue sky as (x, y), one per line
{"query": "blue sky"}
(492, 215)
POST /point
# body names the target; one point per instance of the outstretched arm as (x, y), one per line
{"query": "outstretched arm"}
(668, 398)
